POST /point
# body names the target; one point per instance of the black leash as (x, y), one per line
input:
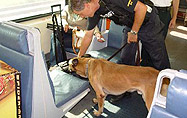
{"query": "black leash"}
(138, 59)
(117, 52)
(58, 35)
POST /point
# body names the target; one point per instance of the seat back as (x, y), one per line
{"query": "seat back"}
(14, 51)
(114, 40)
(115, 35)
(176, 97)
(173, 105)
(14, 38)
(40, 98)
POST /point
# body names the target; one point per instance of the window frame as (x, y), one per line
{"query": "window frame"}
(28, 11)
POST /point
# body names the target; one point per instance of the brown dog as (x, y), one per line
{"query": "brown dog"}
(110, 78)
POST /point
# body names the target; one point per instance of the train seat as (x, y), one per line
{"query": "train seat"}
(174, 105)
(14, 51)
(114, 39)
(66, 86)
(41, 96)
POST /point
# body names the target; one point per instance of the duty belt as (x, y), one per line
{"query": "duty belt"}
(163, 8)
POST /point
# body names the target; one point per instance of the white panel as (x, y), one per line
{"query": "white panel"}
(45, 33)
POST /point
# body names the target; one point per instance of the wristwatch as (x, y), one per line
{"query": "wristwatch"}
(133, 32)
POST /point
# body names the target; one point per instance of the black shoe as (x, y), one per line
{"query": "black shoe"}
(119, 97)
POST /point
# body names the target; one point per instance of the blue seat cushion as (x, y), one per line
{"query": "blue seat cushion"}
(14, 38)
(106, 53)
(176, 97)
(24, 64)
(159, 112)
(66, 86)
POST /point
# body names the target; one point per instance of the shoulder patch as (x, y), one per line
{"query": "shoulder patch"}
(129, 3)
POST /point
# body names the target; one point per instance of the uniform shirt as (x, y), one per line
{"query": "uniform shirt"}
(120, 11)
(162, 3)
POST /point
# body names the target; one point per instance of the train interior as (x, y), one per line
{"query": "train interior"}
(31, 45)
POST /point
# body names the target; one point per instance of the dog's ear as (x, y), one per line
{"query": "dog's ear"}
(75, 62)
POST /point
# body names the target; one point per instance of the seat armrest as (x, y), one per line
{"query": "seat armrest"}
(158, 99)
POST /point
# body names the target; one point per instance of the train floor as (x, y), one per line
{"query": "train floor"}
(176, 44)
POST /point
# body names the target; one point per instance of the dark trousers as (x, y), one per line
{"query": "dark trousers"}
(151, 36)
(128, 53)
(165, 17)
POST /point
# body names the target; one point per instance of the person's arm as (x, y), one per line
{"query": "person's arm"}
(140, 12)
(174, 15)
(64, 18)
(92, 22)
(86, 42)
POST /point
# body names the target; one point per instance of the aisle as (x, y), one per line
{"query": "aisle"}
(176, 44)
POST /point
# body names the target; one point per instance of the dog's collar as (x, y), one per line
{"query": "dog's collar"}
(86, 69)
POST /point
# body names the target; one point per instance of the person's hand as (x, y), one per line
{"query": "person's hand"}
(66, 28)
(79, 55)
(132, 38)
(99, 37)
(172, 23)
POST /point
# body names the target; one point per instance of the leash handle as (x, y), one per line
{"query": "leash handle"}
(138, 58)
(117, 52)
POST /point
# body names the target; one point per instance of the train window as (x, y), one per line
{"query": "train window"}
(16, 9)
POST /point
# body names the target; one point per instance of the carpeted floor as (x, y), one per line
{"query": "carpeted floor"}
(128, 107)
(176, 44)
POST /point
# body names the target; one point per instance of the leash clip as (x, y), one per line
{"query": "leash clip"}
(149, 9)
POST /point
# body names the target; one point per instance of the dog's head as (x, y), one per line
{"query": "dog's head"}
(79, 65)
(72, 64)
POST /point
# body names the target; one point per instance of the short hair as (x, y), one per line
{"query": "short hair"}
(77, 5)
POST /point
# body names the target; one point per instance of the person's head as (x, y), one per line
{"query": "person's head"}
(84, 8)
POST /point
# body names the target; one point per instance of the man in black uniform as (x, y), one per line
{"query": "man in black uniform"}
(142, 20)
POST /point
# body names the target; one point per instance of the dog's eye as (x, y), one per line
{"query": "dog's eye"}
(71, 68)
(75, 62)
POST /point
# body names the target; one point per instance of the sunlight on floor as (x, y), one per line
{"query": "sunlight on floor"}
(182, 28)
(110, 107)
(86, 114)
(178, 34)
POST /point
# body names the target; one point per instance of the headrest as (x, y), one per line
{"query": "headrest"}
(176, 97)
(183, 71)
(14, 38)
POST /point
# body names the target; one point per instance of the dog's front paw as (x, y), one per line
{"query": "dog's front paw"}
(97, 113)
(95, 101)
